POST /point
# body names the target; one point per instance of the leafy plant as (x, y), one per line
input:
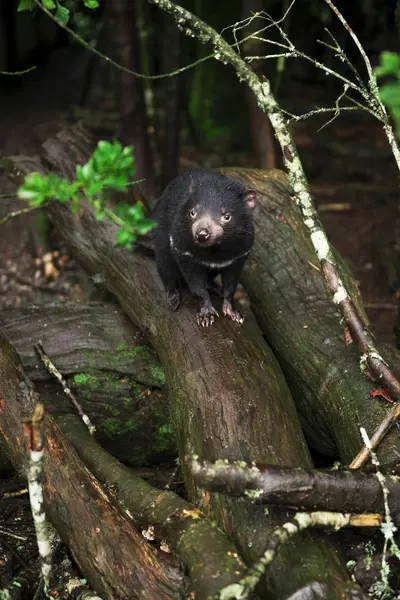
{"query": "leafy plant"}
(390, 91)
(62, 13)
(109, 168)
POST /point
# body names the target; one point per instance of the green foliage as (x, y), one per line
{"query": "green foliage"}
(109, 168)
(62, 13)
(390, 91)
(25, 5)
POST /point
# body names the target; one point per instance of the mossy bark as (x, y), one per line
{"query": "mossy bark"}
(107, 363)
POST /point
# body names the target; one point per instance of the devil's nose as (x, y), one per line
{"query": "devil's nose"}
(202, 235)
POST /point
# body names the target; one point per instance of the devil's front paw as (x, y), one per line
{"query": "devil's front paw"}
(206, 315)
(231, 312)
(173, 299)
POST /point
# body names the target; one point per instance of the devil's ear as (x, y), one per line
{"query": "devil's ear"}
(250, 198)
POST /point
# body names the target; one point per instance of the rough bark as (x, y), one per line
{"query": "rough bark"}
(292, 306)
(115, 375)
(116, 560)
(227, 393)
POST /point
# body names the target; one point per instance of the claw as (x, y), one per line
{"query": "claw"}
(206, 316)
(229, 311)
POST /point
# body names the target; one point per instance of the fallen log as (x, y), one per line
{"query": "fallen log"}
(116, 560)
(96, 335)
(227, 393)
(304, 328)
(107, 363)
(328, 490)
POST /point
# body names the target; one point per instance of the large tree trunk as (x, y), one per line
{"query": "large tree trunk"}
(171, 89)
(115, 558)
(227, 393)
(263, 141)
(122, 30)
(305, 330)
(115, 375)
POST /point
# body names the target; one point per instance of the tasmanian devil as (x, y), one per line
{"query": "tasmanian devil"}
(204, 228)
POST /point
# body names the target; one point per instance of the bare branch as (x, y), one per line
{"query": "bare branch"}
(355, 38)
(343, 56)
(375, 101)
(316, 111)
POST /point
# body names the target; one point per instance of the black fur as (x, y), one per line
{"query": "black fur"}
(205, 227)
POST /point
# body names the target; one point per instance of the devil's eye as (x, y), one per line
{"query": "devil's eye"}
(192, 213)
(227, 217)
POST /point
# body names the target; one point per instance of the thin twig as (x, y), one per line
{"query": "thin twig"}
(388, 528)
(17, 213)
(108, 59)
(343, 56)
(56, 373)
(391, 418)
(316, 111)
(12, 73)
(355, 38)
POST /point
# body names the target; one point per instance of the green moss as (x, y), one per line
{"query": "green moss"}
(158, 375)
(123, 351)
(80, 378)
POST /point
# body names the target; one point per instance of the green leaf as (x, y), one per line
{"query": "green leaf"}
(91, 3)
(389, 64)
(125, 239)
(390, 94)
(145, 226)
(49, 4)
(109, 168)
(25, 5)
(62, 14)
